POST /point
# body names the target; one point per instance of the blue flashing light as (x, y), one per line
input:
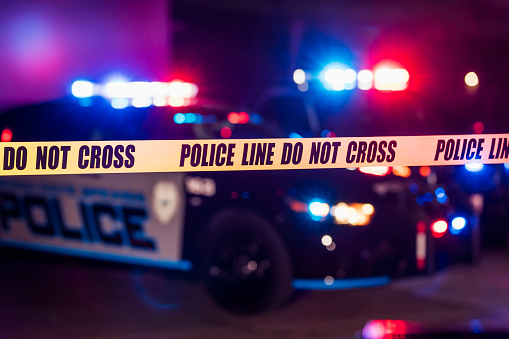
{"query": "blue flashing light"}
(199, 118)
(428, 197)
(179, 118)
(255, 118)
(442, 199)
(245, 195)
(420, 200)
(324, 133)
(119, 103)
(458, 224)
(294, 135)
(340, 284)
(414, 188)
(474, 167)
(506, 165)
(439, 192)
(189, 118)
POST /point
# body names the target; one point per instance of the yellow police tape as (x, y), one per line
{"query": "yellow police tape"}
(249, 154)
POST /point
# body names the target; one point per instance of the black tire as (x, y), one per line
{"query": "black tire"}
(248, 268)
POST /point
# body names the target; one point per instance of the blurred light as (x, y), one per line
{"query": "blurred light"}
(176, 101)
(179, 118)
(334, 77)
(424, 171)
(119, 103)
(226, 132)
(324, 133)
(458, 223)
(420, 246)
(303, 87)
(354, 214)
(234, 195)
(299, 76)
(326, 240)
(390, 76)
(368, 209)
(331, 135)
(428, 197)
(177, 88)
(160, 101)
(349, 76)
(6, 135)
(82, 89)
(438, 228)
(402, 171)
(471, 79)
(115, 89)
(233, 118)
(374, 329)
(190, 118)
(506, 166)
(340, 212)
(442, 199)
(245, 195)
(140, 102)
(319, 209)
(331, 247)
(474, 167)
(439, 192)
(294, 135)
(298, 206)
(328, 280)
(243, 118)
(365, 80)
(377, 170)
(478, 127)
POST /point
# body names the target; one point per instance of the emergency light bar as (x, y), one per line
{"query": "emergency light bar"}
(139, 93)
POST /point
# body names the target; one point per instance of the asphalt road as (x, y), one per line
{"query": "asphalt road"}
(41, 297)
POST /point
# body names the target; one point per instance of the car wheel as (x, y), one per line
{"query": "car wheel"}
(248, 268)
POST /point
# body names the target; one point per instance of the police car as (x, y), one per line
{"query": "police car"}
(253, 236)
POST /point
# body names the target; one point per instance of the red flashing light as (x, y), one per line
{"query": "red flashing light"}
(238, 118)
(243, 118)
(438, 228)
(226, 132)
(6, 135)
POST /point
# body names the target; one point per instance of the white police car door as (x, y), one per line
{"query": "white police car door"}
(136, 218)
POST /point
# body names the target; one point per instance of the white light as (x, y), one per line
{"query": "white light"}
(365, 76)
(341, 212)
(335, 78)
(299, 76)
(252, 265)
(458, 223)
(328, 280)
(119, 103)
(439, 226)
(367, 209)
(319, 209)
(474, 167)
(116, 89)
(82, 89)
(142, 102)
(471, 79)
(303, 87)
(181, 89)
(326, 240)
(160, 101)
(350, 76)
(391, 79)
